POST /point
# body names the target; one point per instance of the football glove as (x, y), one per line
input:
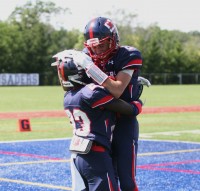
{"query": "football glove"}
(144, 81)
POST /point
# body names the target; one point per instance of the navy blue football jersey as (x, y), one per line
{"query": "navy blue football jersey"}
(84, 108)
(126, 57)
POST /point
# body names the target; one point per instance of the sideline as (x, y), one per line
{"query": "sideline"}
(61, 113)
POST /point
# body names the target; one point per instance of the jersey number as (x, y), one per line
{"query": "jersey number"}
(78, 117)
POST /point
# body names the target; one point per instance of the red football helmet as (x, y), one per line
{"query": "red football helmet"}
(98, 31)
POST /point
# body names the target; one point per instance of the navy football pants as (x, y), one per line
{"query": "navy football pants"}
(97, 171)
(125, 146)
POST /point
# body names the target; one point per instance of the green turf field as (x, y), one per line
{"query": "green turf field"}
(165, 126)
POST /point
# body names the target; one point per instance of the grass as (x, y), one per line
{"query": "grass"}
(33, 98)
(168, 126)
(171, 95)
(42, 128)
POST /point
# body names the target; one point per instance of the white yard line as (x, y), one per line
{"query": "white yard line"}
(35, 140)
(169, 133)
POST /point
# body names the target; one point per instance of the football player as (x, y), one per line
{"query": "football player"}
(117, 68)
(91, 108)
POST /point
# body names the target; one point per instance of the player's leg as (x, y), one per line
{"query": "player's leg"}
(135, 138)
(97, 169)
(124, 149)
(78, 182)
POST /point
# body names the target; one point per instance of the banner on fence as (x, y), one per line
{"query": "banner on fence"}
(19, 79)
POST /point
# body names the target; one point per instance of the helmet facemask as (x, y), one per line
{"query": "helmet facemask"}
(104, 56)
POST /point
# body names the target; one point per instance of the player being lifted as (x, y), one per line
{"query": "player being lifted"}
(116, 68)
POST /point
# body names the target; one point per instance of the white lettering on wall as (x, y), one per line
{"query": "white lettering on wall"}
(10, 79)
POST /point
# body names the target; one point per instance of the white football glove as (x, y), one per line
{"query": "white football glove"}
(82, 59)
(144, 81)
(62, 56)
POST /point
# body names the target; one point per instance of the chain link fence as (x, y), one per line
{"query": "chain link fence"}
(173, 78)
(51, 78)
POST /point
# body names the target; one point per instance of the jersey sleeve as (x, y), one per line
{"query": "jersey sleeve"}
(97, 96)
(130, 58)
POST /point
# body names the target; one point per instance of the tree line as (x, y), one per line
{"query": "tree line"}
(28, 41)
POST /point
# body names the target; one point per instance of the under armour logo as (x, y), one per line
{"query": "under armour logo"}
(110, 62)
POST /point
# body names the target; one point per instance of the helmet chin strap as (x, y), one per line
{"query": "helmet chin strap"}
(73, 79)
(67, 84)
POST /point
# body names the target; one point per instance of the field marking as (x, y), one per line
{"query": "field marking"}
(172, 163)
(37, 140)
(144, 167)
(68, 188)
(169, 133)
(168, 152)
(34, 162)
(159, 165)
(28, 155)
(170, 141)
(34, 184)
(170, 170)
(68, 160)
(69, 138)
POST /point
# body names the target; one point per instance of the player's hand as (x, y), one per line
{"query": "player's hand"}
(144, 81)
(82, 59)
(137, 107)
(64, 55)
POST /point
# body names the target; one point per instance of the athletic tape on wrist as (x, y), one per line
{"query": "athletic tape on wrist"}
(96, 74)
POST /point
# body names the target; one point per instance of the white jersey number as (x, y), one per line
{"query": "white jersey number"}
(80, 117)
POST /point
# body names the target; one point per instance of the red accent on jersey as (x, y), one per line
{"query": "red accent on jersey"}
(98, 148)
(112, 77)
(102, 101)
(110, 183)
(134, 63)
(106, 124)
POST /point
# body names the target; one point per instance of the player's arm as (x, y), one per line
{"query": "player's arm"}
(117, 87)
(101, 97)
(117, 105)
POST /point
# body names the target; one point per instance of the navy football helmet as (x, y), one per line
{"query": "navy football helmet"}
(96, 32)
(72, 75)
